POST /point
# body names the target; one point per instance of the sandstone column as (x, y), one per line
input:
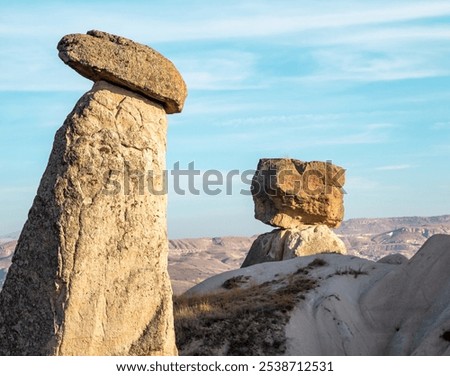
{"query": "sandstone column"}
(89, 276)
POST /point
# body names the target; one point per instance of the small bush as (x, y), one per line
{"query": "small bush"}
(235, 282)
(351, 271)
(317, 262)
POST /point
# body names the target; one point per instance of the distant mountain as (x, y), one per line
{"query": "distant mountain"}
(193, 260)
(7, 247)
(374, 238)
(10, 236)
(361, 226)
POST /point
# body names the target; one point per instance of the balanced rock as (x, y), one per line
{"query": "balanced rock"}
(101, 56)
(89, 275)
(283, 244)
(289, 193)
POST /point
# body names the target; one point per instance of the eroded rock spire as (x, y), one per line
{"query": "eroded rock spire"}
(303, 200)
(89, 275)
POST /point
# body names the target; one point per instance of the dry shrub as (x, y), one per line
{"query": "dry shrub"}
(239, 321)
(350, 271)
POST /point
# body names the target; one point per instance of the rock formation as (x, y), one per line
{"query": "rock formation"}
(289, 193)
(102, 56)
(303, 199)
(323, 305)
(89, 275)
(284, 244)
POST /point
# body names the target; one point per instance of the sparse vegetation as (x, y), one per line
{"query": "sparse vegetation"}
(240, 321)
(235, 282)
(351, 271)
(317, 262)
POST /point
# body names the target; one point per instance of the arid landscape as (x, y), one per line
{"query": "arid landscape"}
(188, 197)
(193, 260)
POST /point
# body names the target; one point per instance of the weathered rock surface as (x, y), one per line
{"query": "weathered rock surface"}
(393, 258)
(343, 305)
(101, 56)
(282, 244)
(289, 193)
(89, 275)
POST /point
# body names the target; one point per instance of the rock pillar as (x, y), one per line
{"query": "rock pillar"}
(89, 275)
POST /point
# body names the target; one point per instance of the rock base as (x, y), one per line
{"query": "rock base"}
(286, 244)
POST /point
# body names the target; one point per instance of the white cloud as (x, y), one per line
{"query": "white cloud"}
(217, 69)
(441, 126)
(359, 183)
(394, 167)
(379, 36)
(270, 19)
(338, 64)
(182, 21)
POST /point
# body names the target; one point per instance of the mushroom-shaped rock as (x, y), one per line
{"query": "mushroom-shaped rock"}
(101, 56)
(89, 273)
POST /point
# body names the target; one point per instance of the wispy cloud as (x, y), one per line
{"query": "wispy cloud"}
(359, 183)
(394, 167)
(376, 36)
(254, 19)
(362, 28)
(217, 70)
(195, 21)
(357, 65)
(441, 125)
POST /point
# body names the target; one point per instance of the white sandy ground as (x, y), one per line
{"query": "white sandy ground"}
(392, 310)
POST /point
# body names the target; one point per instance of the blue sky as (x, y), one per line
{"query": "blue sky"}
(364, 84)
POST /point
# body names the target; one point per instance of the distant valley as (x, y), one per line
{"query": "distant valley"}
(193, 260)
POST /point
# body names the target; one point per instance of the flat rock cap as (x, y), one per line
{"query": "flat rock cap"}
(97, 56)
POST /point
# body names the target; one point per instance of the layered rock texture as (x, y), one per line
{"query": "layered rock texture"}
(303, 199)
(284, 244)
(89, 275)
(101, 56)
(289, 193)
(323, 305)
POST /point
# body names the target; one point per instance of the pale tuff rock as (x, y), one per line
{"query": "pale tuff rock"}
(289, 193)
(393, 258)
(283, 244)
(89, 275)
(101, 56)
(351, 306)
(414, 312)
